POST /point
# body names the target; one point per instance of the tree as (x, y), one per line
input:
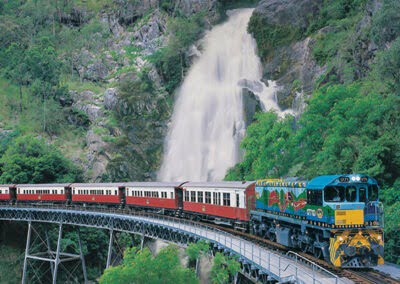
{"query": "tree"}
(30, 160)
(143, 267)
(44, 71)
(17, 69)
(224, 269)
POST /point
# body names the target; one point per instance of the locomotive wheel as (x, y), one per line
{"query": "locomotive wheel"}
(271, 237)
(317, 252)
(303, 247)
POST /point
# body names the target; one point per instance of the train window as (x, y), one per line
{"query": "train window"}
(351, 194)
(334, 193)
(227, 199)
(208, 197)
(172, 195)
(237, 200)
(186, 195)
(217, 198)
(115, 192)
(362, 194)
(1, 191)
(372, 193)
(314, 197)
(200, 197)
(193, 196)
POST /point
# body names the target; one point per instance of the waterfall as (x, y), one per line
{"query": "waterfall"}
(207, 123)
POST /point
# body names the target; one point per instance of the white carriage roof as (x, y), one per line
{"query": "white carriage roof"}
(153, 184)
(221, 184)
(44, 185)
(115, 184)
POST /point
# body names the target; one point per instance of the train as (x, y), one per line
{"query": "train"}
(335, 217)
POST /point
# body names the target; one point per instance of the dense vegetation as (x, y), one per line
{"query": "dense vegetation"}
(140, 266)
(351, 122)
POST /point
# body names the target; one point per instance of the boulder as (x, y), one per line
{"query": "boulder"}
(110, 98)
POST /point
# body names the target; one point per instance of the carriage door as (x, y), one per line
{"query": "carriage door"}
(121, 195)
(13, 194)
(179, 197)
(68, 194)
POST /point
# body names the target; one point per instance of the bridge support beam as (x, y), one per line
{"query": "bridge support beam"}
(55, 258)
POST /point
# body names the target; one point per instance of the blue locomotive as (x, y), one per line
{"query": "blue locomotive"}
(338, 217)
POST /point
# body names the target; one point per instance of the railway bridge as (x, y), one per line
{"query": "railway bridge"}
(257, 262)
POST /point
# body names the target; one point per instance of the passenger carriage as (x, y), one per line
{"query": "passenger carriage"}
(226, 203)
(54, 193)
(157, 195)
(102, 193)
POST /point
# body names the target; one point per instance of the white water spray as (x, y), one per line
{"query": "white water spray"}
(207, 123)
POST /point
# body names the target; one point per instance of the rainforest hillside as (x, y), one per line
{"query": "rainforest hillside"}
(339, 63)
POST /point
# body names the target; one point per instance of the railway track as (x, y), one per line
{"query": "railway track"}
(358, 276)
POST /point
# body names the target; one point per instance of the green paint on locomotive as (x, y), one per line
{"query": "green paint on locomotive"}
(289, 198)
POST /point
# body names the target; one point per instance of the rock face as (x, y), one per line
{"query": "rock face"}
(288, 12)
(125, 133)
(293, 61)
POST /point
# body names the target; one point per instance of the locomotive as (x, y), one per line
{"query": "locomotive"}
(336, 217)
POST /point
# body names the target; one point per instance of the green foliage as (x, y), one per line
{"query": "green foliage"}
(391, 199)
(387, 67)
(342, 131)
(268, 144)
(224, 269)
(143, 267)
(31, 160)
(169, 60)
(386, 22)
(195, 250)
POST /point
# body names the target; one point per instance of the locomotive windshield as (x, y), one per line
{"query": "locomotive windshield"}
(349, 193)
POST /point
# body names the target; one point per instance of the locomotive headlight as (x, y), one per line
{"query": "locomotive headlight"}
(357, 178)
(379, 237)
(340, 239)
(353, 178)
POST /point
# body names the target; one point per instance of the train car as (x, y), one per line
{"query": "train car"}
(99, 193)
(227, 203)
(338, 217)
(7, 193)
(154, 195)
(50, 193)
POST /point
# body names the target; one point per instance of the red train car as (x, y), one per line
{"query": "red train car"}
(102, 193)
(42, 192)
(7, 192)
(157, 195)
(221, 202)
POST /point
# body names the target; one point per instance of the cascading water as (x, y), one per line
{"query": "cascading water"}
(207, 123)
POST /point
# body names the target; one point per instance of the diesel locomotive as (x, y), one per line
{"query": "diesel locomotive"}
(338, 217)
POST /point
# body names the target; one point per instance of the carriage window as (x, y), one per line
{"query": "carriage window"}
(372, 193)
(208, 197)
(351, 194)
(186, 195)
(237, 200)
(172, 195)
(193, 196)
(217, 198)
(362, 194)
(334, 193)
(227, 199)
(314, 197)
(200, 197)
